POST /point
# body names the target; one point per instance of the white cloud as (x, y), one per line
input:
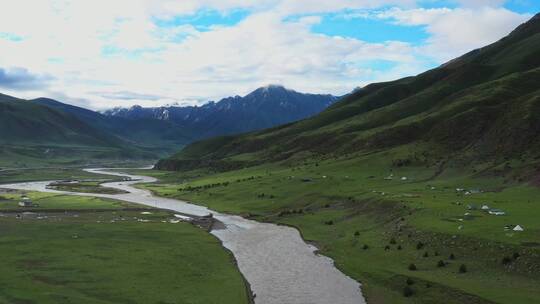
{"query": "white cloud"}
(110, 53)
(457, 31)
(481, 3)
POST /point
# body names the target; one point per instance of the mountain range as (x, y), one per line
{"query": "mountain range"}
(483, 106)
(263, 108)
(44, 128)
(33, 133)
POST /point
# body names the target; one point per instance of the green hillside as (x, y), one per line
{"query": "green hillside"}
(483, 105)
(415, 187)
(159, 137)
(33, 134)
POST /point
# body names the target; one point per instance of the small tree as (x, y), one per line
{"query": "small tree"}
(387, 247)
(409, 281)
(515, 255)
(408, 291)
(441, 263)
(399, 247)
(425, 254)
(356, 233)
(506, 260)
(392, 241)
(419, 245)
(365, 247)
(462, 268)
(412, 267)
(452, 256)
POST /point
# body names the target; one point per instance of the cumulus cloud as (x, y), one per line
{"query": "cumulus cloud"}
(456, 31)
(481, 3)
(115, 53)
(21, 79)
(167, 8)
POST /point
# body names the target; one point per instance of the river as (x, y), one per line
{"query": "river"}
(280, 267)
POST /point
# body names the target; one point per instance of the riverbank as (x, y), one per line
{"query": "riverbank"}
(376, 220)
(279, 266)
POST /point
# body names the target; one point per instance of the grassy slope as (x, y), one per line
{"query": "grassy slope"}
(482, 105)
(471, 123)
(33, 134)
(355, 196)
(157, 136)
(89, 259)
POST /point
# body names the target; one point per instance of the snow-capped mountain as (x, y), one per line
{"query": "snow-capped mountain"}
(263, 108)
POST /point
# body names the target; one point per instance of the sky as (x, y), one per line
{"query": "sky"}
(108, 53)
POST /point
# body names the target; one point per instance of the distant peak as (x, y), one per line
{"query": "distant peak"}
(272, 88)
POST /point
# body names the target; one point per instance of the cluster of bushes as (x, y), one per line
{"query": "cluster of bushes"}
(292, 211)
(204, 187)
(508, 260)
(247, 179)
(409, 292)
(262, 195)
(401, 162)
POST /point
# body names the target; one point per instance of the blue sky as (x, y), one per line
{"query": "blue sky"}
(101, 54)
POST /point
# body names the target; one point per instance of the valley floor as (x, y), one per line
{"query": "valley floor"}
(72, 249)
(409, 234)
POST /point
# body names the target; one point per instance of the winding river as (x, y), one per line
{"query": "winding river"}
(280, 267)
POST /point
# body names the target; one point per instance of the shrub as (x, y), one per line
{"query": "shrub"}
(412, 267)
(387, 247)
(515, 255)
(399, 247)
(441, 263)
(419, 245)
(409, 281)
(506, 260)
(356, 233)
(425, 254)
(392, 241)
(436, 253)
(365, 247)
(462, 268)
(452, 256)
(408, 292)
(330, 222)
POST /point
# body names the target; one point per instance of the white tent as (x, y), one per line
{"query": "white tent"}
(518, 228)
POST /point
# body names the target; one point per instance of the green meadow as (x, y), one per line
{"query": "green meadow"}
(92, 186)
(409, 234)
(105, 251)
(38, 174)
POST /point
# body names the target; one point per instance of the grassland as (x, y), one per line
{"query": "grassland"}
(85, 187)
(375, 227)
(38, 174)
(105, 251)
